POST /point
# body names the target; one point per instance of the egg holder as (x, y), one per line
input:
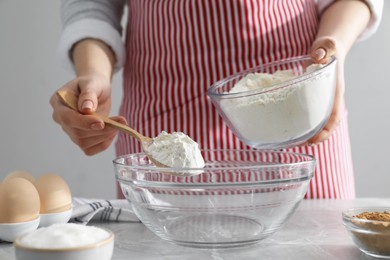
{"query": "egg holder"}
(54, 218)
(10, 231)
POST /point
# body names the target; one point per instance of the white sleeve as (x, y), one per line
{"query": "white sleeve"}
(376, 8)
(90, 28)
(97, 19)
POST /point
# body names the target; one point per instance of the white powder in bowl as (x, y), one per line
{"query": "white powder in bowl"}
(176, 150)
(282, 114)
(60, 236)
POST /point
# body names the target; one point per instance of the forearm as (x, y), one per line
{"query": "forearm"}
(343, 22)
(93, 56)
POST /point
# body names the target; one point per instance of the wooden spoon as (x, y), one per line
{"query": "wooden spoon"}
(71, 100)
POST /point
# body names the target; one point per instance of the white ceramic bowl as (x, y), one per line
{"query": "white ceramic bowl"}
(283, 114)
(55, 218)
(101, 250)
(10, 231)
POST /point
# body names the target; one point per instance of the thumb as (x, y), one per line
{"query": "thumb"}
(88, 102)
(323, 48)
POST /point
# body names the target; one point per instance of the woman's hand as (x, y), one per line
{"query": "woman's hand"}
(336, 36)
(322, 49)
(93, 61)
(84, 129)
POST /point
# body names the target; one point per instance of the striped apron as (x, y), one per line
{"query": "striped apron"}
(176, 49)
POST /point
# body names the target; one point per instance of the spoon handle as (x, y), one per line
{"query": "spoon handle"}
(70, 99)
(122, 127)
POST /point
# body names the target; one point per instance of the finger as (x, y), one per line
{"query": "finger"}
(88, 101)
(327, 131)
(97, 148)
(74, 119)
(90, 144)
(320, 137)
(102, 126)
(100, 146)
(86, 141)
(82, 133)
(119, 119)
(95, 145)
(323, 48)
(319, 54)
(64, 115)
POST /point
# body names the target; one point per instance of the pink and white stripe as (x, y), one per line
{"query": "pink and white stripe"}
(176, 49)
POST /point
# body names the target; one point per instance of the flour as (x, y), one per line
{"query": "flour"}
(59, 236)
(279, 114)
(176, 150)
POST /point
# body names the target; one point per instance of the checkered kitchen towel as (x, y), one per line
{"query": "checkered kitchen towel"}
(85, 210)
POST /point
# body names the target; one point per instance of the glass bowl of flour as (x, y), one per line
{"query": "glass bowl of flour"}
(279, 104)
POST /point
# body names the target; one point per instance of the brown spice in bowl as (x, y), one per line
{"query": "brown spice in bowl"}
(378, 216)
(377, 237)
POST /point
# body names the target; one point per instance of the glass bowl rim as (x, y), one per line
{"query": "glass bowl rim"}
(160, 170)
(211, 90)
(311, 158)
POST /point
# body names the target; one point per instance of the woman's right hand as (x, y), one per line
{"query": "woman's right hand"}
(84, 129)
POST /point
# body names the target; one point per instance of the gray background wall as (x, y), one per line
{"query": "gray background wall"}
(30, 73)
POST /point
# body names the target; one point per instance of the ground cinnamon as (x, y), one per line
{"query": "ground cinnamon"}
(377, 216)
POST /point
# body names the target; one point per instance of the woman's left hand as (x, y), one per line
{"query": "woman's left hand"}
(322, 49)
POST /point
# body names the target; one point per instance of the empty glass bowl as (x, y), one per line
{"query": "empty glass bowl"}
(277, 105)
(370, 236)
(238, 198)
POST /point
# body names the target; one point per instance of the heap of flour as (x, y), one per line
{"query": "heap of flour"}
(279, 114)
(176, 150)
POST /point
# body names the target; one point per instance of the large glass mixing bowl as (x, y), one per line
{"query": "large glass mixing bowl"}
(238, 198)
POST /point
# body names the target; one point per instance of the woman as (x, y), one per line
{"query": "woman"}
(176, 49)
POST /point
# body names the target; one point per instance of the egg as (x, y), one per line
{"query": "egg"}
(19, 201)
(20, 174)
(54, 193)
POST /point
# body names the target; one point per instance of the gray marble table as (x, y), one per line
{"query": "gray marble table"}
(315, 231)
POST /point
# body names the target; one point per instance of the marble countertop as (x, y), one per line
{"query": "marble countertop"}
(315, 231)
